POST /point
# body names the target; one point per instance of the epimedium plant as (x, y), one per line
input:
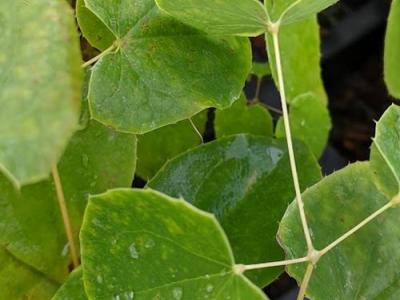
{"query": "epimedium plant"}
(215, 220)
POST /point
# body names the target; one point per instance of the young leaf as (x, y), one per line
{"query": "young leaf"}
(310, 122)
(392, 50)
(385, 160)
(261, 69)
(245, 182)
(73, 288)
(94, 30)
(161, 71)
(366, 265)
(243, 118)
(157, 147)
(290, 11)
(140, 244)
(96, 159)
(233, 17)
(300, 48)
(20, 281)
(40, 77)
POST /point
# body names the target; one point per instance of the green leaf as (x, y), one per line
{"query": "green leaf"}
(19, 281)
(385, 160)
(40, 77)
(233, 17)
(161, 71)
(140, 244)
(366, 265)
(392, 50)
(245, 181)
(94, 30)
(261, 70)
(309, 121)
(243, 118)
(300, 50)
(157, 147)
(96, 159)
(290, 11)
(73, 288)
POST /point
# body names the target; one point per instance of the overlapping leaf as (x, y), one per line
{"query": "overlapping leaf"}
(366, 265)
(233, 17)
(309, 122)
(243, 118)
(73, 288)
(157, 147)
(40, 77)
(245, 181)
(96, 159)
(290, 11)
(392, 50)
(161, 71)
(140, 244)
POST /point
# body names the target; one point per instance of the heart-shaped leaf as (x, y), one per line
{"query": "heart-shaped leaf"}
(290, 11)
(161, 71)
(157, 147)
(140, 244)
(243, 118)
(309, 122)
(366, 264)
(245, 181)
(392, 50)
(96, 159)
(233, 17)
(40, 77)
(73, 288)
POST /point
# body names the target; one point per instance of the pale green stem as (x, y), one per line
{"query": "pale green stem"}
(305, 282)
(64, 215)
(274, 30)
(98, 57)
(275, 264)
(355, 229)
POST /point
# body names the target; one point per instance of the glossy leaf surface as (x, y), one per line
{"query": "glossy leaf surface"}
(233, 17)
(365, 266)
(290, 11)
(309, 122)
(243, 118)
(96, 159)
(157, 147)
(40, 78)
(73, 288)
(245, 182)
(367, 263)
(392, 50)
(162, 71)
(140, 244)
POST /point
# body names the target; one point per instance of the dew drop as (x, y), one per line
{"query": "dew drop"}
(129, 295)
(177, 293)
(133, 251)
(209, 288)
(65, 250)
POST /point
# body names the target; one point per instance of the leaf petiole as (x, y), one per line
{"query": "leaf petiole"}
(101, 55)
